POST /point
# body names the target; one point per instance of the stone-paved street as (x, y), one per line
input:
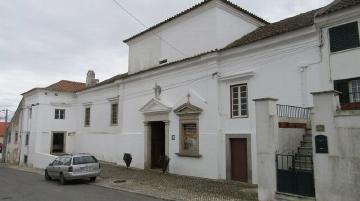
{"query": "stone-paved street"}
(155, 183)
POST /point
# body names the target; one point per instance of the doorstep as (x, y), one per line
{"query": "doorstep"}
(292, 197)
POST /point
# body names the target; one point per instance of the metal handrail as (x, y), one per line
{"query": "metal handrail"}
(293, 112)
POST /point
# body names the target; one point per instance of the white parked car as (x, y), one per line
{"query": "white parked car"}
(70, 167)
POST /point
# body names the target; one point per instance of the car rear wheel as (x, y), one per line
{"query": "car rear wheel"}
(92, 179)
(62, 179)
(47, 177)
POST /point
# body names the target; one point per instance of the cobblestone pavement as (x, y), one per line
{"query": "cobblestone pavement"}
(167, 186)
(173, 187)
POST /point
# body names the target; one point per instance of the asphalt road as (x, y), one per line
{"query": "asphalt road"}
(22, 186)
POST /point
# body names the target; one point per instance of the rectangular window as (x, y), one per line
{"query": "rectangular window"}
(87, 116)
(114, 113)
(16, 137)
(239, 101)
(344, 37)
(59, 114)
(27, 139)
(354, 89)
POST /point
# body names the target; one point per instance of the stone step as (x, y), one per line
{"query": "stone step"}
(305, 150)
(306, 143)
(307, 138)
(302, 165)
(291, 197)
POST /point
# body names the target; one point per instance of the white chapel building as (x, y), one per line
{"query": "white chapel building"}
(189, 92)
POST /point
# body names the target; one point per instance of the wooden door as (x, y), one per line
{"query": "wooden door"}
(239, 163)
(157, 143)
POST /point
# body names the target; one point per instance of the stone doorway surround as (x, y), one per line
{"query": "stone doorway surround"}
(154, 111)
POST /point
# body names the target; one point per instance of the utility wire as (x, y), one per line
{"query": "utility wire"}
(144, 25)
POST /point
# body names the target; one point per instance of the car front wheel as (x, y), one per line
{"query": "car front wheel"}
(47, 177)
(92, 179)
(62, 179)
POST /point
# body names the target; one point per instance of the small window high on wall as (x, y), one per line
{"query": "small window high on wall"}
(344, 37)
(87, 116)
(114, 113)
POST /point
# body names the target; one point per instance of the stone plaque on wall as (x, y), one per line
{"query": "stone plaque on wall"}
(321, 144)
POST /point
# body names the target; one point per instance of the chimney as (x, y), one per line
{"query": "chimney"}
(90, 79)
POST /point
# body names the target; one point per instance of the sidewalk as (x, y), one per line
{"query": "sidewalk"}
(166, 186)
(174, 187)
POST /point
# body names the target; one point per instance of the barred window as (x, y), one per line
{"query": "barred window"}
(87, 116)
(114, 113)
(344, 37)
(239, 101)
(59, 114)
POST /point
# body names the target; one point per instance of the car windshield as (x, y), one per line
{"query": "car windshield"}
(84, 160)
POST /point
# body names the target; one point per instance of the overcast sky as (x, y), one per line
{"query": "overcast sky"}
(43, 41)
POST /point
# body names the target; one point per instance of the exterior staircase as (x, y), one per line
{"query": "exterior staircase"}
(303, 158)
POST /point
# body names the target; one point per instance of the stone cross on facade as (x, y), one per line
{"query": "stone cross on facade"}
(157, 91)
(188, 97)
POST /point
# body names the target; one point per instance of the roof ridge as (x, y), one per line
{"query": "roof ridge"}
(289, 24)
(72, 81)
(198, 5)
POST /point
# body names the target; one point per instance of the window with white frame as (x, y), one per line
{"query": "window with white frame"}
(59, 114)
(114, 113)
(354, 89)
(239, 101)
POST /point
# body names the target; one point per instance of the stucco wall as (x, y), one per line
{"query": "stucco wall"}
(212, 26)
(337, 173)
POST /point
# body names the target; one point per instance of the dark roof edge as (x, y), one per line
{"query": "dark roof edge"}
(126, 75)
(191, 9)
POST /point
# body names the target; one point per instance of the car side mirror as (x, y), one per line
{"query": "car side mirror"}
(51, 164)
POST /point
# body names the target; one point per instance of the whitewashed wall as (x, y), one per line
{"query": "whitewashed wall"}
(274, 71)
(342, 64)
(212, 26)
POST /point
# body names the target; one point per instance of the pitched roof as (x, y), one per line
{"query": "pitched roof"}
(270, 30)
(3, 127)
(62, 86)
(193, 8)
(274, 29)
(337, 5)
(127, 75)
(66, 86)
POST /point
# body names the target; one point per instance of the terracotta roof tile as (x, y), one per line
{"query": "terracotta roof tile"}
(284, 26)
(62, 86)
(66, 86)
(193, 8)
(336, 6)
(3, 127)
